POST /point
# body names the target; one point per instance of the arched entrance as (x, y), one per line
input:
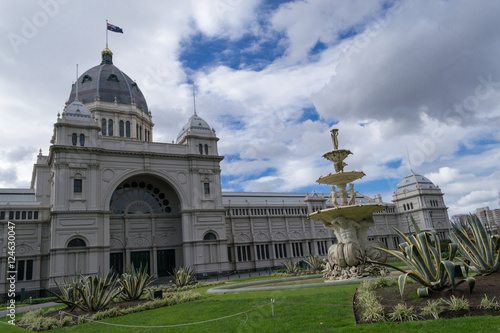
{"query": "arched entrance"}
(145, 225)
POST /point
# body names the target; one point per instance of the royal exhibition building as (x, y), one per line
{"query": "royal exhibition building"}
(107, 195)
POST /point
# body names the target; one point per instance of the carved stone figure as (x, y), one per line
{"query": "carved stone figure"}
(352, 200)
(335, 132)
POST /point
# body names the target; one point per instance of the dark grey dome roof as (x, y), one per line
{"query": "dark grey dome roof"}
(413, 182)
(108, 81)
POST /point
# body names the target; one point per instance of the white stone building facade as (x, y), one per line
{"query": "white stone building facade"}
(106, 196)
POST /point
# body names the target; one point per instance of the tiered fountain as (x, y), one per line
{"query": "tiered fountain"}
(350, 221)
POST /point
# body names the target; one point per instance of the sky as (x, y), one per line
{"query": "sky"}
(411, 85)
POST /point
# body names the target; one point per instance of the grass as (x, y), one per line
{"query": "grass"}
(327, 309)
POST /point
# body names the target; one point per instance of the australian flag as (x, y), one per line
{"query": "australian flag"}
(114, 28)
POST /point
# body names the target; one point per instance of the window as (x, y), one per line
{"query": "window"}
(11, 215)
(110, 127)
(209, 236)
(122, 129)
(86, 78)
(35, 215)
(103, 126)
(206, 149)
(322, 248)
(137, 131)
(229, 254)
(24, 270)
(200, 147)
(30, 215)
(140, 133)
(113, 78)
(77, 186)
(262, 251)
(206, 188)
(2, 215)
(297, 250)
(23, 215)
(18, 215)
(280, 250)
(77, 242)
(73, 139)
(127, 129)
(82, 140)
(411, 205)
(244, 253)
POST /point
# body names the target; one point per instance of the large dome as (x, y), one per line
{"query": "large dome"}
(108, 82)
(413, 182)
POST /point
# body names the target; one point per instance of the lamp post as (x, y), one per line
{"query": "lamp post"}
(432, 221)
(487, 223)
(408, 223)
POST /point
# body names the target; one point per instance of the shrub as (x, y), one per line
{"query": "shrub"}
(96, 293)
(183, 276)
(40, 300)
(66, 321)
(110, 313)
(426, 265)
(69, 292)
(456, 304)
(489, 304)
(290, 266)
(433, 309)
(134, 283)
(482, 252)
(315, 263)
(83, 319)
(402, 312)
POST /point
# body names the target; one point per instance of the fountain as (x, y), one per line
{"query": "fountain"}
(348, 259)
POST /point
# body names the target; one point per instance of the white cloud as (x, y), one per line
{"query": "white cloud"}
(400, 75)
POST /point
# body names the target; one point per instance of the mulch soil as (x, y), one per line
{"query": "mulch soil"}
(485, 285)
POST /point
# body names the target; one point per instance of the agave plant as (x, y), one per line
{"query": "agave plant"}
(96, 293)
(482, 251)
(315, 263)
(134, 282)
(426, 265)
(69, 293)
(290, 266)
(183, 276)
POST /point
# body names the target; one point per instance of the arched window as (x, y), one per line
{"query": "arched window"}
(73, 139)
(140, 133)
(209, 236)
(127, 129)
(411, 205)
(82, 140)
(113, 77)
(137, 130)
(200, 147)
(77, 242)
(86, 78)
(110, 127)
(103, 126)
(122, 129)
(206, 149)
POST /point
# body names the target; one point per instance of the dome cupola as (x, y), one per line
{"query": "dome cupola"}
(413, 182)
(107, 83)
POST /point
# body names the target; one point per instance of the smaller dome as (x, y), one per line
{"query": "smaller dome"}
(194, 126)
(77, 110)
(413, 182)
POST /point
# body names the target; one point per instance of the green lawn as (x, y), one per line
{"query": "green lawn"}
(313, 310)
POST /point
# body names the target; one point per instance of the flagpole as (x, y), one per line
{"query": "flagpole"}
(106, 33)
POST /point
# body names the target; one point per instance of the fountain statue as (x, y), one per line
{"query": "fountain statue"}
(349, 258)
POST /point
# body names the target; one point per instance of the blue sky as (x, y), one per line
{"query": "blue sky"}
(409, 85)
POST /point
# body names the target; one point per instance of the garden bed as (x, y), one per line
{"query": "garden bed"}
(390, 296)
